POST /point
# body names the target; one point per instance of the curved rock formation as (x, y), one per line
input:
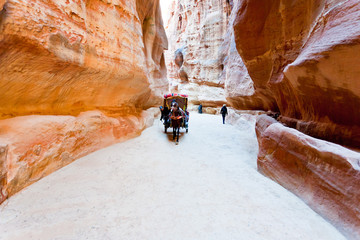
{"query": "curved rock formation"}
(66, 58)
(325, 175)
(196, 30)
(240, 90)
(302, 56)
(304, 53)
(35, 146)
(155, 41)
(71, 56)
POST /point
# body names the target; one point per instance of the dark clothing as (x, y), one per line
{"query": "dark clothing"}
(176, 122)
(164, 113)
(224, 112)
(200, 108)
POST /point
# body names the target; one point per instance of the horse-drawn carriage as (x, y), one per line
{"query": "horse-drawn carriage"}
(174, 112)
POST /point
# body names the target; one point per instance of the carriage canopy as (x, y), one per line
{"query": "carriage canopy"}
(181, 99)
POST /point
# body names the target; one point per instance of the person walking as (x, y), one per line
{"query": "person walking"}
(200, 108)
(224, 112)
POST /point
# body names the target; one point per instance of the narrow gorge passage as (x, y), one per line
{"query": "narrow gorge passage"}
(207, 187)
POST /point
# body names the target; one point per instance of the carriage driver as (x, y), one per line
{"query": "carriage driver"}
(184, 114)
(176, 111)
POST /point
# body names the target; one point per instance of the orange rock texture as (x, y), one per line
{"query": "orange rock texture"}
(65, 57)
(304, 54)
(35, 146)
(2, 2)
(325, 175)
(97, 63)
(196, 31)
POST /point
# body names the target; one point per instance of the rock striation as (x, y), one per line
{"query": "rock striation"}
(66, 57)
(304, 54)
(325, 175)
(35, 146)
(196, 31)
(239, 86)
(97, 63)
(301, 57)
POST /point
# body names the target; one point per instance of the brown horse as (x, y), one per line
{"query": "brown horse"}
(176, 116)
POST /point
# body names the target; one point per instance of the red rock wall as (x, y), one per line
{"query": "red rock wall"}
(304, 53)
(65, 57)
(240, 89)
(302, 59)
(325, 175)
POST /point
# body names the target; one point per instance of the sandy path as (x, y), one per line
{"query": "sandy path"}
(147, 188)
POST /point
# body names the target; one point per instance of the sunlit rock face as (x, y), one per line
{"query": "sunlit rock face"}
(325, 175)
(196, 31)
(97, 63)
(35, 146)
(2, 2)
(65, 57)
(155, 42)
(305, 54)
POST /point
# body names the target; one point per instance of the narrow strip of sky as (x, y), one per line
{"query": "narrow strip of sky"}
(165, 9)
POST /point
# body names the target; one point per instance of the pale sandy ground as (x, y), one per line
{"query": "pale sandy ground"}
(147, 188)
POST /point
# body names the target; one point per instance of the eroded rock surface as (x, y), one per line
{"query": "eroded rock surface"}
(241, 92)
(323, 174)
(302, 59)
(2, 2)
(196, 31)
(97, 63)
(65, 57)
(35, 146)
(304, 53)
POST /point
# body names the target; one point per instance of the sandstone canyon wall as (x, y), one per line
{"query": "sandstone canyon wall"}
(2, 2)
(65, 57)
(302, 59)
(325, 175)
(196, 31)
(240, 89)
(305, 53)
(100, 61)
